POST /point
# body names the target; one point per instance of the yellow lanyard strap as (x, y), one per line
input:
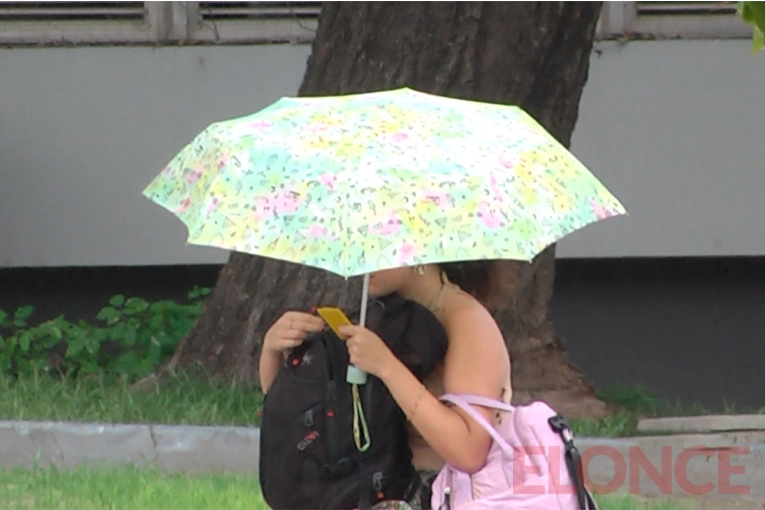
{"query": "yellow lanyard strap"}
(358, 415)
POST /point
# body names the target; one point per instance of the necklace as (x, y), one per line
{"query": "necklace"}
(436, 305)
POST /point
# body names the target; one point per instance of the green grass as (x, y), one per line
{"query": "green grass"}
(193, 401)
(179, 400)
(183, 400)
(125, 487)
(630, 404)
(129, 487)
(626, 502)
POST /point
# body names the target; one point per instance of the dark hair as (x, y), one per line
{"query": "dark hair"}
(476, 277)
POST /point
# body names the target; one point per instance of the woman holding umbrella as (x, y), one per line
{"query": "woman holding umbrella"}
(476, 362)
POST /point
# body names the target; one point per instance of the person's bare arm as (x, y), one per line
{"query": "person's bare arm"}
(287, 332)
(269, 365)
(476, 362)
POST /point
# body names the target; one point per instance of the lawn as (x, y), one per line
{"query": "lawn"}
(177, 400)
(180, 400)
(194, 401)
(185, 400)
(129, 487)
(125, 487)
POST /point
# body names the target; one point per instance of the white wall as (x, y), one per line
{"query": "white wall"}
(672, 127)
(675, 129)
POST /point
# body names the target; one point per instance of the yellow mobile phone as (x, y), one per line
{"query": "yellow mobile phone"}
(334, 317)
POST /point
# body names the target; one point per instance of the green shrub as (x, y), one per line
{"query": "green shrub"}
(132, 338)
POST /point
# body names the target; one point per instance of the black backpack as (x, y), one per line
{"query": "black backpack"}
(308, 457)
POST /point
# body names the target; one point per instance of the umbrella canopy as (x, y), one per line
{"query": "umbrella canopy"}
(358, 183)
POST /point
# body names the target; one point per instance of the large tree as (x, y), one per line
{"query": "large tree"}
(534, 54)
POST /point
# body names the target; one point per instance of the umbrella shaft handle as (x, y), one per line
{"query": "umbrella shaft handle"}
(355, 376)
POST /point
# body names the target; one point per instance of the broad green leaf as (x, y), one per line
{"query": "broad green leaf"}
(117, 300)
(753, 13)
(166, 340)
(25, 341)
(155, 352)
(56, 332)
(127, 361)
(76, 345)
(3, 318)
(93, 342)
(745, 11)
(758, 40)
(23, 365)
(109, 314)
(144, 368)
(136, 305)
(88, 367)
(129, 337)
(23, 313)
(52, 339)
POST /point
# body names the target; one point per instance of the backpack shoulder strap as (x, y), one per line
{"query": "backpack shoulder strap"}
(461, 402)
(479, 400)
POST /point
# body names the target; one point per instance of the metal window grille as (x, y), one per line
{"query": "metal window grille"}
(41, 23)
(248, 9)
(68, 10)
(672, 20)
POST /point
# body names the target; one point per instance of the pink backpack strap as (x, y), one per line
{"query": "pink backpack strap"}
(479, 400)
(464, 401)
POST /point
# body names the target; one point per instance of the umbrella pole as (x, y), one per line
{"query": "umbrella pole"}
(364, 299)
(354, 375)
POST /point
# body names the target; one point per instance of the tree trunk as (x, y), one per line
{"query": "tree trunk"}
(534, 54)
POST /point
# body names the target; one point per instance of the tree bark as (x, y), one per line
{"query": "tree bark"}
(534, 54)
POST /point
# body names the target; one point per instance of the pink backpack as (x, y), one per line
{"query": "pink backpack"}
(531, 438)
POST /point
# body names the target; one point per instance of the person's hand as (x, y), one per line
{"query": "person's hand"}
(367, 350)
(290, 331)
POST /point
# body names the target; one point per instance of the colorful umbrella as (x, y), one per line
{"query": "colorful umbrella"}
(359, 183)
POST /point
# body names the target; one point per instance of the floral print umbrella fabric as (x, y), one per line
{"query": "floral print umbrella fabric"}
(359, 183)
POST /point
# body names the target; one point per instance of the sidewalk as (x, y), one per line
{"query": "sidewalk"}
(192, 449)
(620, 463)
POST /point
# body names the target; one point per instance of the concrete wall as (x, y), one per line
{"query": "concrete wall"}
(672, 127)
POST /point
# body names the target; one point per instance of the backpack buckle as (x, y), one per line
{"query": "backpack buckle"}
(558, 424)
(377, 478)
(308, 418)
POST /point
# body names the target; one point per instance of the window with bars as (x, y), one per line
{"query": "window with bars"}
(248, 9)
(77, 22)
(46, 10)
(684, 7)
(672, 20)
(41, 23)
(156, 22)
